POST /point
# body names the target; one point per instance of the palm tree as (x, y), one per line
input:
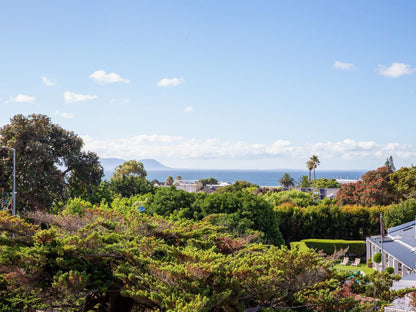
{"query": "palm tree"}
(286, 180)
(169, 180)
(304, 181)
(315, 161)
(309, 165)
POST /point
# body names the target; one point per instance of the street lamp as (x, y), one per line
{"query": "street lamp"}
(14, 176)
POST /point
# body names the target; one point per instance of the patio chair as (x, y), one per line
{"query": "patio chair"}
(345, 261)
(356, 262)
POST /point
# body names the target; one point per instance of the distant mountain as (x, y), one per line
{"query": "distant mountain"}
(152, 164)
(110, 164)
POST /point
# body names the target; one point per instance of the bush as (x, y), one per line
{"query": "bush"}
(294, 197)
(377, 257)
(389, 270)
(400, 213)
(329, 246)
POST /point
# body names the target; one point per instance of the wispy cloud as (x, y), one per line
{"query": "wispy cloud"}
(71, 97)
(163, 147)
(188, 109)
(64, 115)
(395, 70)
(170, 82)
(21, 98)
(47, 82)
(102, 77)
(343, 66)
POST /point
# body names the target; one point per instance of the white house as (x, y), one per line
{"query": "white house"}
(399, 249)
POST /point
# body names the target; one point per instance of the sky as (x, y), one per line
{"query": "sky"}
(218, 84)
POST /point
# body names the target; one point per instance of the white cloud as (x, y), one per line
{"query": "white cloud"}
(64, 115)
(188, 109)
(21, 98)
(170, 82)
(171, 147)
(47, 82)
(71, 97)
(343, 66)
(101, 77)
(395, 70)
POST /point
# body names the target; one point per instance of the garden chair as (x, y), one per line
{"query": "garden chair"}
(356, 262)
(345, 261)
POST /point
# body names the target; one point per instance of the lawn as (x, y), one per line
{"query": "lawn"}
(361, 267)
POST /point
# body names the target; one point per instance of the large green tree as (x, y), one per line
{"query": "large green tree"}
(51, 165)
(327, 183)
(404, 182)
(129, 179)
(374, 188)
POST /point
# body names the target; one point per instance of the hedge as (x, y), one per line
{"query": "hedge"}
(328, 246)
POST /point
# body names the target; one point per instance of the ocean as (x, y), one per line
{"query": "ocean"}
(259, 177)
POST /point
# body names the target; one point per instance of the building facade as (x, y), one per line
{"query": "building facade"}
(399, 249)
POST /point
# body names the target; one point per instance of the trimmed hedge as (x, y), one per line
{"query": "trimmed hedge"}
(377, 257)
(389, 270)
(328, 246)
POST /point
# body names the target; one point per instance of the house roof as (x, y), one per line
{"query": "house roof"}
(400, 242)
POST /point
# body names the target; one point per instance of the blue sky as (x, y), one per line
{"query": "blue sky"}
(218, 84)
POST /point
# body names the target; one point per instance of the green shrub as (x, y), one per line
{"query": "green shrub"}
(377, 257)
(328, 246)
(389, 270)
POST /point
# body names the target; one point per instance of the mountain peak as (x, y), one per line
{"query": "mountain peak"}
(150, 164)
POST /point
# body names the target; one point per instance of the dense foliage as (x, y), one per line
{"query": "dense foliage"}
(108, 260)
(327, 221)
(373, 189)
(50, 163)
(304, 181)
(207, 181)
(329, 246)
(129, 179)
(239, 185)
(292, 197)
(240, 211)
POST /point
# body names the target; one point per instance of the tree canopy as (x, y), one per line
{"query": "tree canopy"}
(374, 188)
(107, 260)
(129, 179)
(286, 180)
(130, 168)
(50, 163)
(207, 181)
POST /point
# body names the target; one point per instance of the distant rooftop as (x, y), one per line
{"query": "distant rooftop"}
(345, 181)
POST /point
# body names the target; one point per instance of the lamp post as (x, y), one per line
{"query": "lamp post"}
(14, 177)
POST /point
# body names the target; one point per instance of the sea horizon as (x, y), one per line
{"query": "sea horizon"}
(261, 177)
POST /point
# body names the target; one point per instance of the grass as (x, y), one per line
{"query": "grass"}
(361, 267)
